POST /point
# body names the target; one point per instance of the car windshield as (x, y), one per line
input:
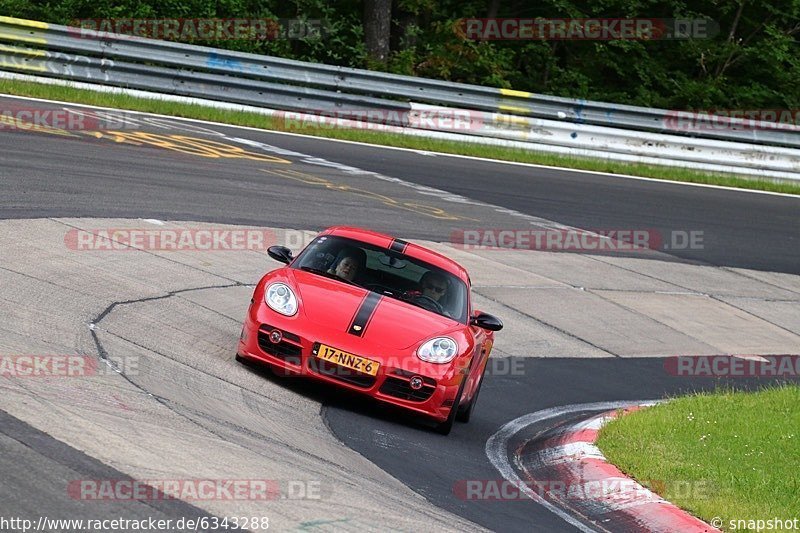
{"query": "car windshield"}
(386, 272)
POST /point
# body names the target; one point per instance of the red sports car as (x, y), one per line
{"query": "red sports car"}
(373, 314)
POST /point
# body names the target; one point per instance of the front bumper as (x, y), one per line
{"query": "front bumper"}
(294, 355)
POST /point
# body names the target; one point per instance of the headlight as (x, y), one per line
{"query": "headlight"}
(438, 350)
(280, 298)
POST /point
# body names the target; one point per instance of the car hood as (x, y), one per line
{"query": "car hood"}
(394, 324)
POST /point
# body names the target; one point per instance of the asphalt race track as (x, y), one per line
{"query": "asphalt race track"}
(397, 447)
(580, 328)
(741, 230)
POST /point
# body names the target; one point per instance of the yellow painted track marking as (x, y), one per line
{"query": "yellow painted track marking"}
(188, 145)
(15, 124)
(422, 209)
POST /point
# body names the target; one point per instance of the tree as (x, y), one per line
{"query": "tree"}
(377, 29)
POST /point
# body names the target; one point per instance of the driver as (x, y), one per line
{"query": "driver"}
(351, 262)
(434, 285)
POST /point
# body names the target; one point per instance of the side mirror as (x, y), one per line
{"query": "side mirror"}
(486, 321)
(280, 253)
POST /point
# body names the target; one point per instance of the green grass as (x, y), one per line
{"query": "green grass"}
(733, 455)
(121, 101)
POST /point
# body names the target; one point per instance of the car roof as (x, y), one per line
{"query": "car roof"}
(413, 250)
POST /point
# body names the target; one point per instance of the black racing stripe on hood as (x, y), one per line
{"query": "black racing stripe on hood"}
(360, 322)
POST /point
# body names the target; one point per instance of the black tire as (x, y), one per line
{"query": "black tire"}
(465, 412)
(445, 427)
(240, 359)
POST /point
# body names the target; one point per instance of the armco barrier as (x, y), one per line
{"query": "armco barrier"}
(618, 132)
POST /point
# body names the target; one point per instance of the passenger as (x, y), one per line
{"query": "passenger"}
(350, 264)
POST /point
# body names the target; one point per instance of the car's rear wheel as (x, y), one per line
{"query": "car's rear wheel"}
(465, 412)
(445, 427)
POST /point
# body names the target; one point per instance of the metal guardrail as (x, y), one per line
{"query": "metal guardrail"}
(263, 81)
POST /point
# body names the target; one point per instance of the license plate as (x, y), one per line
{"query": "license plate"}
(348, 360)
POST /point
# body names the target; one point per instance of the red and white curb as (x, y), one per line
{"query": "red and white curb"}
(576, 482)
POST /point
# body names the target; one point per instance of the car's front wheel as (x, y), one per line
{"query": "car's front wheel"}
(465, 412)
(445, 427)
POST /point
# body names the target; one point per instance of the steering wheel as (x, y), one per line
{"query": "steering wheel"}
(429, 303)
